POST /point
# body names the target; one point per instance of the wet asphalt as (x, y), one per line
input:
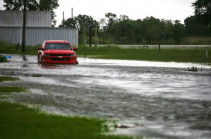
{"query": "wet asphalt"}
(150, 99)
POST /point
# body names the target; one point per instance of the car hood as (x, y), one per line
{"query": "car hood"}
(59, 52)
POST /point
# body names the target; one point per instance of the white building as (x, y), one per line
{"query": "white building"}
(38, 28)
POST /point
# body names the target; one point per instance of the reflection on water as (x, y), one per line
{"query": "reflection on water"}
(24, 65)
(151, 99)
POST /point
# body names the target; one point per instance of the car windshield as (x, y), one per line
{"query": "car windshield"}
(59, 46)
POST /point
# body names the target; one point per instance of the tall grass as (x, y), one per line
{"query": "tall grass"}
(114, 52)
(197, 40)
(8, 48)
(177, 55)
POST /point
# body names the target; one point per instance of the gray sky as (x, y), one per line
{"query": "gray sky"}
(135, 9)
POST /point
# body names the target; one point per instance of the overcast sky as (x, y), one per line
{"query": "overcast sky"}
(135, 9)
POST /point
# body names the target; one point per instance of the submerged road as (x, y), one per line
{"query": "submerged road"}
(151, 99)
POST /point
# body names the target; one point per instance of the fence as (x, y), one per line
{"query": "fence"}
(164, 46)
(36, 35)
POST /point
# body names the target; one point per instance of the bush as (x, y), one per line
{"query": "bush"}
(3, 58)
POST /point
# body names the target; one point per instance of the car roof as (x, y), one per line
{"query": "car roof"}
(56, 41)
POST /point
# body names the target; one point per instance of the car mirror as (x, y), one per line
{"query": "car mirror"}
(40, 48)
(75, 48)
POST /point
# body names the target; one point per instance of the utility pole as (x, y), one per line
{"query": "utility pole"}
(24, 28)
(72, 13)
(21, 25)
(63, 20)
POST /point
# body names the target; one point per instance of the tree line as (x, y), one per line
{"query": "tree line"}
(150, 30)
(147, 31)
(123, 30)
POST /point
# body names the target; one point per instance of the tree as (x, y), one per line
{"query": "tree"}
(111, 18)
(16, 4)
(85, 22)
(124, 17)
(178, 31)
(70, 23)
(34, 5)
(168, 31)
(153, 30)
(193, 27)
(82, 23)
(124, 32)
(203, 11)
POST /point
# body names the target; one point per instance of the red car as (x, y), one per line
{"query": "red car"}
(57, 52)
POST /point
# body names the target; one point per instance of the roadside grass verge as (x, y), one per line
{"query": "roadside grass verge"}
(8, 48)
(18, 121)
(196, 55)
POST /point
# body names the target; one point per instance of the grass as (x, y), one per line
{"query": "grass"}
(3, 58)
(18, 121)
(8, 48)
(8, 90)
(196, 55)
(6, 78)
(177, 55)
(193, 69)
(196, 40)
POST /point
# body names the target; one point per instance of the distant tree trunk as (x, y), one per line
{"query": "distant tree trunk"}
(84, 35)
(96, 37)
(90, 36)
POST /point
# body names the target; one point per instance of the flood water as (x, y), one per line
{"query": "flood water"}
(150, 99)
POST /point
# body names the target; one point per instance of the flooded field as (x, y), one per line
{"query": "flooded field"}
(150, 99)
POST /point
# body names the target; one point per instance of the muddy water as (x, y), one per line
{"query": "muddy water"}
(150, 99)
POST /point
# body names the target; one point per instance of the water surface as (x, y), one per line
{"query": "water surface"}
(150, 99)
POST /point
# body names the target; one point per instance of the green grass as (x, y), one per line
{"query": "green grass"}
(196, 55)
(177, 55)
(3, 58)
(5, 78)
(9, 90)
(18, 121)
(7, 48)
